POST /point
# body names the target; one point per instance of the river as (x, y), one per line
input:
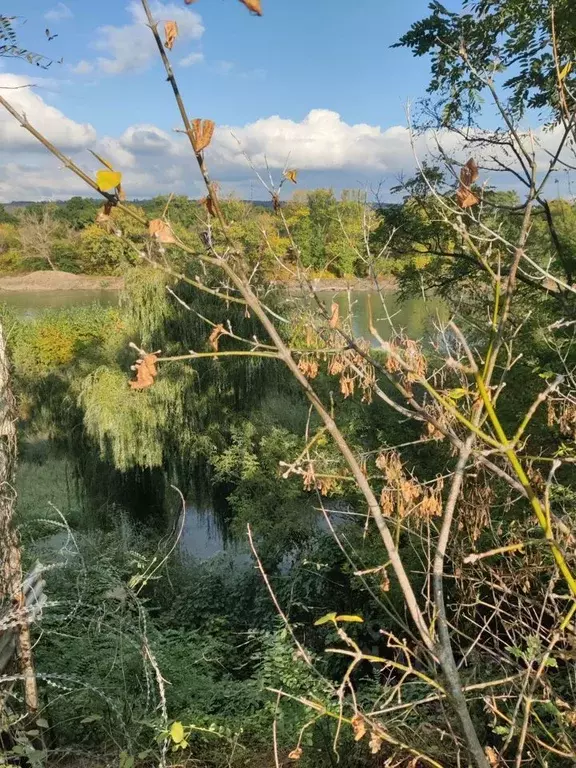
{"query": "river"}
(201, 537)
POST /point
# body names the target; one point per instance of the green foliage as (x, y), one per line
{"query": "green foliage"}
(11, 48)
(78, 212)
(512, 37)
(329, 233)
(5, 217)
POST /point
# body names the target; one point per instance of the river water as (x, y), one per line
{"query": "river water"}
(418, 317)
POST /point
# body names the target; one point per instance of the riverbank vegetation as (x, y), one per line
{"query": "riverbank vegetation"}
(400, 583)
(328, 230)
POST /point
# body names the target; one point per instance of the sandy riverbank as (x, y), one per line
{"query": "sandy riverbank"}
(66, 281)
(58, 281)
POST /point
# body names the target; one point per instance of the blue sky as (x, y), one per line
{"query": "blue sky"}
(313, 84)
(301, 55)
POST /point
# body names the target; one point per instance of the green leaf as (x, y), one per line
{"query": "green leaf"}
(350, 619)
(41, 723)
(456, 394)
(325, 619)
(91, 719)
(126, 760)
(551, 662)
(177, 732)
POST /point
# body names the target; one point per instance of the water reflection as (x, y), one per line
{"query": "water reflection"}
(418, 317)
(33, 303)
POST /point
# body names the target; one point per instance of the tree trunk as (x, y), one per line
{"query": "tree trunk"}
(11, 578)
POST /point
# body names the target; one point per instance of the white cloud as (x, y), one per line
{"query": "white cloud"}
(325, 148)
(191, 59)
(322, 141)
(58, 13)
(148, 140)
(131, 48)
(59, 129)
(83, 67)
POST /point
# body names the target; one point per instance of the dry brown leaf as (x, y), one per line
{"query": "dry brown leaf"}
(146, 372)
(208, 203)
(296, 754)
(161, 230)
(385, 583)
(253, 5)
(465, 198)
(469, 173)
(291, 175)
(170, 34)
(104, 214)
(217, 331)
(276, 202)
(202, 132)
(375, 742)
(120, 192)
(358, 727)
(492, 756)
(335, 316)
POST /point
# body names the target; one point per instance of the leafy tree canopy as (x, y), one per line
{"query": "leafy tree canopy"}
(512, 39)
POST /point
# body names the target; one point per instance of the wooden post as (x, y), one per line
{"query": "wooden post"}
(11, 578)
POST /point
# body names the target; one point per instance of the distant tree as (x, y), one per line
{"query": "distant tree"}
(328, 232)
(78, 212)
(5, 217)
(37, 232)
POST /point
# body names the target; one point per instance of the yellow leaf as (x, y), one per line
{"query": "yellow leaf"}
(177, 733)
(108, 180)
(291, 175)
(296, 754)
(357, 619)
(325, 619)
(566, 69)
(170, 33)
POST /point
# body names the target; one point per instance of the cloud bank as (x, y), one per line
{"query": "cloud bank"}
(326, 149)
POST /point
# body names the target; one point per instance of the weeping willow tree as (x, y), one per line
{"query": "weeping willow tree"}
(73, 376)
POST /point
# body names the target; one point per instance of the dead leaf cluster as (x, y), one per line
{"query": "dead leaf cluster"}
(146, 372)
(468, 175)
(214, 337)
(308, 365)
